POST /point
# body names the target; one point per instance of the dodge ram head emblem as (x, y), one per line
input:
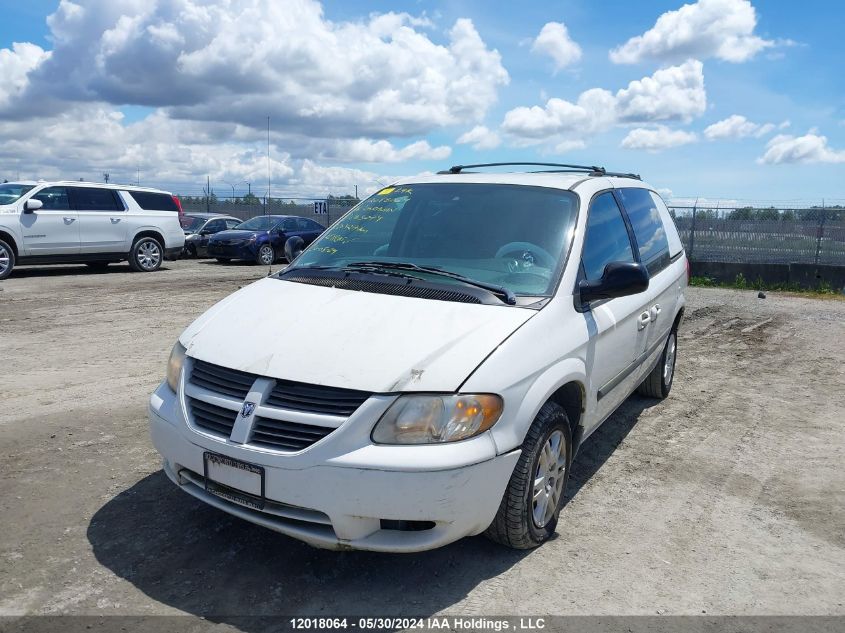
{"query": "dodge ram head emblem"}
(247, 409)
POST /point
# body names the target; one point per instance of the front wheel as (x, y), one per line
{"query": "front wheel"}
(146, 255)
(266, 255)
(7, 259)
(659, 382)
(529, 511)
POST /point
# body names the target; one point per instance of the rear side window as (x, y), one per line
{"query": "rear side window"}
(648, 228)
(154, 201)
(607, 237)
(94, 199)
(53, 198)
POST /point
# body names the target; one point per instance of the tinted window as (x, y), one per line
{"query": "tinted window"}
(154, 201)
(648, 228)
(94, 199)
(192, 223)
(607, 237)
(260, 223)
(230, 224)
(53, 198)
(304, 224)
(215, 226)
(290, 224)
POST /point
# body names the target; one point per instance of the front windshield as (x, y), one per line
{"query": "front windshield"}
(191, 223)
(11, 192)
(509, 235)
(259, 223)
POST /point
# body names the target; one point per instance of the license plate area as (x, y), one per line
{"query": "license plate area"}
(234, 480)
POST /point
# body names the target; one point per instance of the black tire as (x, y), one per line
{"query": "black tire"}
(658, 383)
(266, 255)
(142, 256)
(191, 251)
(223, 260)
(515, 524)
(7, 259)
(97, 265)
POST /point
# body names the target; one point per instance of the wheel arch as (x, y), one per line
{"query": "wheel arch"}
(10, 240)
(149, 233)
(564, 383)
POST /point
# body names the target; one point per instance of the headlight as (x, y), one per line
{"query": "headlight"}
(250, 239)
(174, 365)
(432, 419)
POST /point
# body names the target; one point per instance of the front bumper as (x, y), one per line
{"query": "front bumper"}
(237, 251)
(340, 502)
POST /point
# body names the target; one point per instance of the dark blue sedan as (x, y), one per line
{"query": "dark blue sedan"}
(262, 239)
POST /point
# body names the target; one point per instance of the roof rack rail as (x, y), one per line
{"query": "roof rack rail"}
(593, 170)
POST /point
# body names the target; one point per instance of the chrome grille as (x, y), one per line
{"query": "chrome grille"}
(230, 382)
(211, 417)
(297, 396)
(286, 435)
(214, 396)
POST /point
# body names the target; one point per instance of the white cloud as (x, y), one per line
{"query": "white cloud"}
(737, 126)
(810, 148)
(567, 146)
(670, 94)
(15, 65)
(554, 41)
(657, 138)
(241, 60)
(480, 137)
(723, 29)
(368, 151)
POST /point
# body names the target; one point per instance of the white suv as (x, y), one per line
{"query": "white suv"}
(74, 222)
(428, 368)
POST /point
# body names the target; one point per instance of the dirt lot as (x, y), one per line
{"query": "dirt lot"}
(728, 498)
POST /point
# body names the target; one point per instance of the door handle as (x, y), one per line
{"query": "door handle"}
(68, 220)
(655, 310)
(644, 320)
(115, 220)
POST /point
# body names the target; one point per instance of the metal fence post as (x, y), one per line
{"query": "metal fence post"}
(820, 233)
(692, 231)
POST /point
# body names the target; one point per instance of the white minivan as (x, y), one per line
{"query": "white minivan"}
(82, 222)
(429, 366)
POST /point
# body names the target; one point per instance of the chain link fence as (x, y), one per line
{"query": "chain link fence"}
(814, 235)
(324, 210)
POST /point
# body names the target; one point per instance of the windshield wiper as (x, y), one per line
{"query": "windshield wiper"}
(503, 293)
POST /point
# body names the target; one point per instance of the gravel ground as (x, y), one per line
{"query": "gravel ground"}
(727, 498)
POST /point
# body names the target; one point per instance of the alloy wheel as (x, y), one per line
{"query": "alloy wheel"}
(149, 255)
(669, 363)
(549, 478)
(5, 259)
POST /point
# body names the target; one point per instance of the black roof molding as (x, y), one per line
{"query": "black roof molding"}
(592, 170)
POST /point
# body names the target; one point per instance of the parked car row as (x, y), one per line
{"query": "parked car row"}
(70, 222)
(260, 239)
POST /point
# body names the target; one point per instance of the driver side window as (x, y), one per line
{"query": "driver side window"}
(607, 238)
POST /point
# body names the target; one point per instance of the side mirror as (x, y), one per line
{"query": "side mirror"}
(619, 279)
(293, 247)
(32, 205)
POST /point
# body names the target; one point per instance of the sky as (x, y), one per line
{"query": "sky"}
(716, 99)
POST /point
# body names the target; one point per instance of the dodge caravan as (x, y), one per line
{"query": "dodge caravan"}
(429, 366)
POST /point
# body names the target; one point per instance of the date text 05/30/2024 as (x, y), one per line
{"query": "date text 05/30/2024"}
(445, 623)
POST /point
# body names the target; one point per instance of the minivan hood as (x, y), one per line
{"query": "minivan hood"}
(346, 338)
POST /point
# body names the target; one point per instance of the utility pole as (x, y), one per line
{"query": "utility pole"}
(208, 194)
(356, 192)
